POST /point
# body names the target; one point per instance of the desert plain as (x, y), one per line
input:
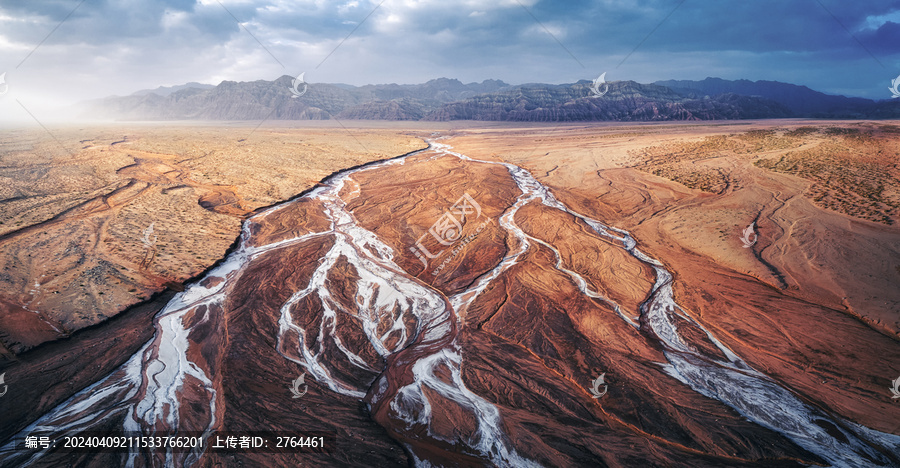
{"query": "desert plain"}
(95, 220)
(782, 238)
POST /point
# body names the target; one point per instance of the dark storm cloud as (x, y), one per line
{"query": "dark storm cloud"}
(103, 29)
(885, 40)
(119, 46)
(757, 26)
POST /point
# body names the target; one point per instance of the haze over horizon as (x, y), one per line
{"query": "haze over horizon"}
(65, 51)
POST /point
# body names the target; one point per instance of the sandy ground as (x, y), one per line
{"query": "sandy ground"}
(77, 205)
(823, 197)
(782, 237)
(93, 220)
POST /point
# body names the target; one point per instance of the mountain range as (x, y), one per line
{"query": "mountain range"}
(446, 99)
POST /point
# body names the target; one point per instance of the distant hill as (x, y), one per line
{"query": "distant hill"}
(449, 99)
(167, 90)
(625, 101)
(256, 100)
(802, 101)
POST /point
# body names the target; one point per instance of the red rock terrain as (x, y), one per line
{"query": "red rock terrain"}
(453, 311)
(95, 220)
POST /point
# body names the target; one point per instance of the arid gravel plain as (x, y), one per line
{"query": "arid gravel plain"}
(782, 239)
(93, 220)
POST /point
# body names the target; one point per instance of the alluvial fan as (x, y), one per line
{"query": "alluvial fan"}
(446, 311)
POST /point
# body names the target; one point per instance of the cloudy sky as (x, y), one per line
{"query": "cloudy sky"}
(57, 52)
